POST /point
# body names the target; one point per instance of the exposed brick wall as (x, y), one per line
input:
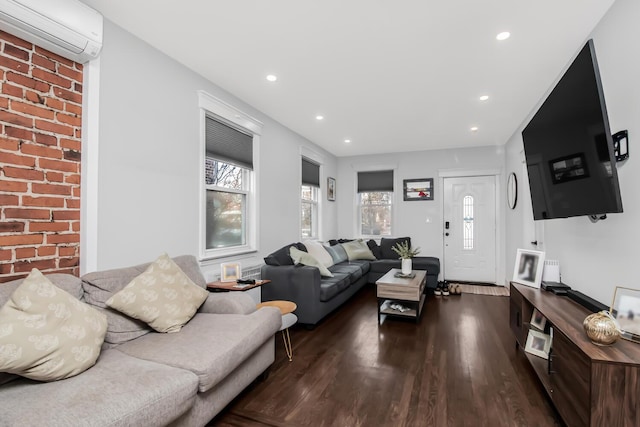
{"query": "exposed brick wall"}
(40, 131)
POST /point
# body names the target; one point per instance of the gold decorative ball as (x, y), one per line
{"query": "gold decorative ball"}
(601, 328)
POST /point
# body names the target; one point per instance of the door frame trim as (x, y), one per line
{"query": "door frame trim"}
(498, 175)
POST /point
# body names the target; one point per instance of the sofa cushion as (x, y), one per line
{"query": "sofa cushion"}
(352, 270)
(225, 341)
(281, 256)
(332, 286)
(364, 265)
(319, 252)
(101, 285)
(304, 258)
(375, 249)
(384, 265)
(163, 296)
(47, 334)
(358, 249)
(119, 391)
(430, 264)
(337, 253)
(386, 244)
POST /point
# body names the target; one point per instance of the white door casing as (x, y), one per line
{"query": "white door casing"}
(470, 239)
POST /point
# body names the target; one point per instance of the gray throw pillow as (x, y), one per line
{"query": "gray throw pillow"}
(338, 253)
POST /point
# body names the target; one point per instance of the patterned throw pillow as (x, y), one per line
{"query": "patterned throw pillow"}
(163, 296)
(358, 249)
(46, 334)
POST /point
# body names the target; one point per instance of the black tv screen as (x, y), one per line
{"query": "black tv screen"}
(569, 148)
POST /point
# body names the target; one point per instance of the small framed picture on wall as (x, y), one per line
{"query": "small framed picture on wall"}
(331, 189)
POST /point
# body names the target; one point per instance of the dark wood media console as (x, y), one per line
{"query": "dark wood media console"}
(589, 385)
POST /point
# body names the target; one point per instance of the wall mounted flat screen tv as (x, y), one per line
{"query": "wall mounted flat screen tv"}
(569, 148)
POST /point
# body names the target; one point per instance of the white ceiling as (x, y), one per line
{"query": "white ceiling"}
(391, 75)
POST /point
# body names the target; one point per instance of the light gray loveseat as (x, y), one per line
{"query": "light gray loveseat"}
(145, 378)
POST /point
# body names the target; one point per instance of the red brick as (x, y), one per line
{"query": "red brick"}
(18, 133)
(69, 262)
(42, 138)
(8, 200)
(49, 202)
(16, 52)
(58, 165)
(22, 253)
(63, 238)
(52, 78)
(4, 103)
(17, 159)
(5, 255)
(71, 144)
(4, 279)
(28, 82)
(34, 97)
(54, 176)
(70, 72)
(27, 174)
(40, 151)
(54, 104)
(20, 213)
(15, 40)
(54, 127)
(76, 192)
(71, 215)
(11, 90)
(32, 110)
(21, 239)
(68, 95)
(47, 250)
(19, 66)
(11, 227)
(72, 179)
(9, 144)
(43, 62)
(53, 56)
(72, 155)
(73, 203)
(49, 226)
(13, 186)
(78, 133)
(75, 226)
(77, 87)
(15, 119)
(73, 108)
(67, 250)
(63, 190)
(69, 119)
(43, 264)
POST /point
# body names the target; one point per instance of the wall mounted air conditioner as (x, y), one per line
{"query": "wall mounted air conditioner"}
(69, 28)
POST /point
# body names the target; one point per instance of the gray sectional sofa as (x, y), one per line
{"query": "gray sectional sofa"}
(145, 378)
(317, 296)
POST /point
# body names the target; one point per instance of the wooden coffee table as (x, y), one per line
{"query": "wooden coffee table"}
(407, 292)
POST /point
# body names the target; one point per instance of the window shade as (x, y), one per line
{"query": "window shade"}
(228, 145)
(375, 181)
(310, 173)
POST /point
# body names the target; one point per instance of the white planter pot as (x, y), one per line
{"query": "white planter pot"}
(406, 266)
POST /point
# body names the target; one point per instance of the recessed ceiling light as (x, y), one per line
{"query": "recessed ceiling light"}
(503, 35)
(272, 77)
(484, 97)
(347, 141)
(319, 117)
(474, 129)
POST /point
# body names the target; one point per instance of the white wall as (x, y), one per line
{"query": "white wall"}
(410, 218)
(148, 161)
(595, 258)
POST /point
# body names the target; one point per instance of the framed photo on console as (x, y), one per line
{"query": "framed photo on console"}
(626, 310)
(538, 344)
(230, 271)
(538, 321)
(528, 268)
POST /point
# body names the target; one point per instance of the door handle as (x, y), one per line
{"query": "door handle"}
(534, 243)
(446, 234)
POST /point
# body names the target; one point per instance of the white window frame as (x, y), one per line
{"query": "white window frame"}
(319, 160)
(315, 212)
(359, 213)
(214, 107)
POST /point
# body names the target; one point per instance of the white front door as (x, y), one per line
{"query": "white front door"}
(470, 229)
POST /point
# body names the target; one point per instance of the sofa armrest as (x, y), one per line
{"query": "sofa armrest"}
(228, 303)
(297, 283)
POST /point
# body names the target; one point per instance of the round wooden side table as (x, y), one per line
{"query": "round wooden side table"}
(288, 319)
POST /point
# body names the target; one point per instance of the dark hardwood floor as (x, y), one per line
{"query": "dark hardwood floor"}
(457, 367)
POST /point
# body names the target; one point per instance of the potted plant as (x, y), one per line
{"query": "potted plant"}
(406, 253)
